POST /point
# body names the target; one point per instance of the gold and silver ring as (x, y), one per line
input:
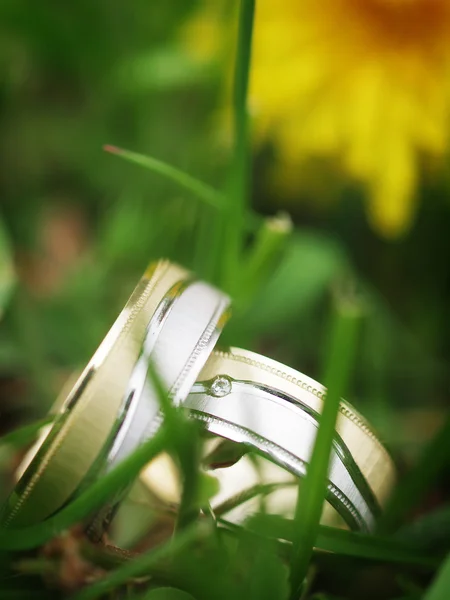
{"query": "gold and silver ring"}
(250, 399)
(174, 321)
(113, 406)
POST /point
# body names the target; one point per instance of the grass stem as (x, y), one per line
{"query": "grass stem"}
(313, 488)
(198, 188)
(239, 181)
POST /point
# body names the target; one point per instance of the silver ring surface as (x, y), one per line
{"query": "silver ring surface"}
(280, 421)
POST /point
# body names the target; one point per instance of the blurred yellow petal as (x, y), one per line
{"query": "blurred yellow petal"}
(363, 119)
(392, 199)
(365, 83)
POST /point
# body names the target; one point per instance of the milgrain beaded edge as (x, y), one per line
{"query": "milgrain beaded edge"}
(201, 345)
(291, 458)
(344, 409)
(137, 307)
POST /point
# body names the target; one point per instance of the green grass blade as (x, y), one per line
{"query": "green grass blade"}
(268, 246)
(184, 443)
(35, 535)
(313, 489)
(434, 460)
(347, 543)
(200, 189)
(261, 489)
(369, 547)
(188, 451)
(440, 588)
(239, 184)
(24, 435)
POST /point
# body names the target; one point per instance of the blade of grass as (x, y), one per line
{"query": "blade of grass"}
(188, 454)
(432, 463)
(200, 189)
(269, 243)
(440, 588)
(252, 492)
(24, 435)
(94, 497)
(373, 548)
(312, 491)
(347, 543)
(172, 417)
(143, 564)
(239, 181)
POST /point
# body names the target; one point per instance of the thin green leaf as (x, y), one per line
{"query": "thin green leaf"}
(312, 492)
(359, 545)
(346, 543)
(183, 435)
(24, 435)
(208, 487)
(440, 588)
(188, 454)
(239, 181)
(202, 190)
(434, 460)
(252, 492)
(263, 255)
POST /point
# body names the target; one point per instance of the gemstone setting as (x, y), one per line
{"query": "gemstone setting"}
(220, 386)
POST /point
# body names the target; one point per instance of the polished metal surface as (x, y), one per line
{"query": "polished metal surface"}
(249, 399)
(169, 319)
(178, 340)
(280, 428)
(174, 321)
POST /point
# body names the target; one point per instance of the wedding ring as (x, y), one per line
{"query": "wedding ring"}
(274, 410)
(172, 320)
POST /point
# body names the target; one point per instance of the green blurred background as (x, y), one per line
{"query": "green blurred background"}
(79, 226)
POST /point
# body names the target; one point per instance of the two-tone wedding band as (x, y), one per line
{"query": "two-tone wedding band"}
(275, 411)
(172, 320)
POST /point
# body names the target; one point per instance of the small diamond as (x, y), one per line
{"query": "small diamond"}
(220, 386)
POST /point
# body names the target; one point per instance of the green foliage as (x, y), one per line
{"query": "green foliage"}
(311, 494)
(441, 586)
(24, 435)
(7, 273)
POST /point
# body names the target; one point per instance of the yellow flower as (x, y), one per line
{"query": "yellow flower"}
(365, 82)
